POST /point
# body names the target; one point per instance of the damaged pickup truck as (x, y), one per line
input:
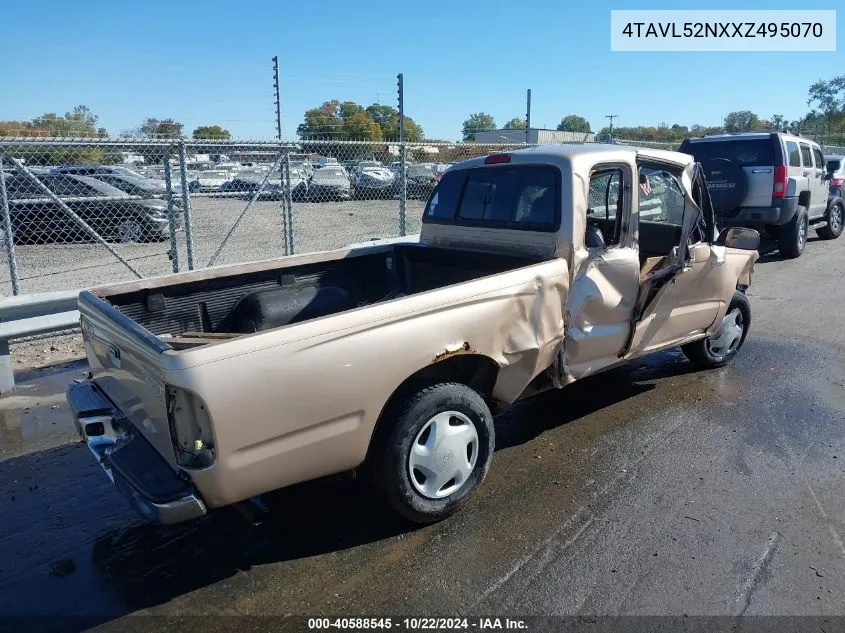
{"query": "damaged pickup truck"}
(533, 269)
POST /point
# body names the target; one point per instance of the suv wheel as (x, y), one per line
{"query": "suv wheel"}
(835, 218)
(437, 453)
(720, 348)
(793, 236)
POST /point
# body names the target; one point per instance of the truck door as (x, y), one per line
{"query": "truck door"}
(818, 185)
(682, 294)
(606, 275)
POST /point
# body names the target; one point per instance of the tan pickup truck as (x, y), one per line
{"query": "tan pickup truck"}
(533, 269)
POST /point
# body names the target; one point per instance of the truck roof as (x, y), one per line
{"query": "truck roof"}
(568, 152)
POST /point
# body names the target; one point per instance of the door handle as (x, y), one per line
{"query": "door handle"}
(806, 173)
(761, 171)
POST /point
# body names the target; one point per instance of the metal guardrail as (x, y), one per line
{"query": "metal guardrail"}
(31, 315)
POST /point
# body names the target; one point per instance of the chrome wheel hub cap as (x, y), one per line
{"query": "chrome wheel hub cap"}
(727, 337)
(443, 455)
(836, 218)
(129, 232)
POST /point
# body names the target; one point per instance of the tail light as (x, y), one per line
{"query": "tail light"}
(497, 159)
(190, 429)
(781, 178)
(836, 182)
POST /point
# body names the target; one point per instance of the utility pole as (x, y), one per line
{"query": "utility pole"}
(528, 116)
(276, 96)
(611, 117)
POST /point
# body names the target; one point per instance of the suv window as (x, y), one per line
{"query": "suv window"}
(794, 155)
(817, 155)
(805, 155)
(661, 198)
(744, 152)
(521, 197)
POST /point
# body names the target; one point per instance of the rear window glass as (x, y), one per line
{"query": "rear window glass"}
(794, 154)
(745, 152)
(511, 197)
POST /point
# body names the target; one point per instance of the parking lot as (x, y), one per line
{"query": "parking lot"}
(259, 235)
(653, 489)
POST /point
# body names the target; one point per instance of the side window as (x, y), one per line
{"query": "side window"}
(605, 197)
(604, 208)
(661, 198)
(68, 187)
(794, 155)
(819, 158)
(805, 155)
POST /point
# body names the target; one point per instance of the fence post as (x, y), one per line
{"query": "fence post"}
(288, 208)
(403, 175)
(171, 215)
(186, 204)
(8, 237)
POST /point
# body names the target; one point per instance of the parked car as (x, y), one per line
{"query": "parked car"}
(421, 180)
(835, 165)
(210, 387)
(772, 181)
(373, 182)
(112, 213)
(323, 161)
(273, 188)
(140, 186)
(329, 183)
(208, 181)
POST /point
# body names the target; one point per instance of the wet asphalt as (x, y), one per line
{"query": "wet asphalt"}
(654, 489)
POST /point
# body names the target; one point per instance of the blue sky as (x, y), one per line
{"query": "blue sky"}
(210, 62)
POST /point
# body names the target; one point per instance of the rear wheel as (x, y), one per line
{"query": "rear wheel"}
(437, 453)
(720, 348)
(835, 218)
(793, 236)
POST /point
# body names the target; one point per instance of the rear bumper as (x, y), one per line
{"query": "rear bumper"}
(781, 212)
(140, 474)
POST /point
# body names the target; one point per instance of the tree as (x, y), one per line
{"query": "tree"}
(778, 122)
(211, 132)
(321, 123)
(574, 123)
(742, 121)
(80, 121)
(515, 124)
(161, 128)
(478, 122)
(383, 115)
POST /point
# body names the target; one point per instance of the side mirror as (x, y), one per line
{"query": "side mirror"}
(746, 239)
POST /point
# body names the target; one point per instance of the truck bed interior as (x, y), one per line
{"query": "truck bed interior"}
(200, 312)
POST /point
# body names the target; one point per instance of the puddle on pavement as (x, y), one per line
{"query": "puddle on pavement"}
(35, 416)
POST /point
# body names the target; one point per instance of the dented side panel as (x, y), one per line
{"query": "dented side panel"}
(271, 431)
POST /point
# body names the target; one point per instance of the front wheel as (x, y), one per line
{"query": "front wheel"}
(437, 453)
(835, 218)
(720, 348)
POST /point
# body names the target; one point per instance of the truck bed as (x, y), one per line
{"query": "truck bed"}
(232, 304)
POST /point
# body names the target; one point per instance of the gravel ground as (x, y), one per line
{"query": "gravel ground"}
(259, 235)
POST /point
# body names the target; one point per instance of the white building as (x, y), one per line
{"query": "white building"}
(534, 136)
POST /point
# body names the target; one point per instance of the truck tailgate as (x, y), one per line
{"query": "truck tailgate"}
(125, 361)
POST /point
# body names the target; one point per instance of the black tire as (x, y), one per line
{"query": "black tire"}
(793, 236)
(394, 470)
(701, 352)
(835, 218)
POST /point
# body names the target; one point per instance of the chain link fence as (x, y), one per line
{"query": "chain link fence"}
(78, 213)
(84, 212)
